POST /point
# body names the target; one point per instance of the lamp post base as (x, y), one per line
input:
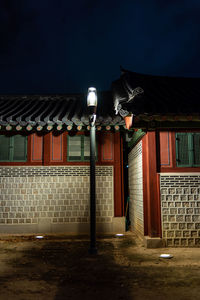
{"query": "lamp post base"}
(93, 250)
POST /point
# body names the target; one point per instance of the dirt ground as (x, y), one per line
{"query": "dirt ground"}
(60, 267)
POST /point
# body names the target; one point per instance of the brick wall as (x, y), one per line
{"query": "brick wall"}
(53, 195)
(180, 209)
(136, 189)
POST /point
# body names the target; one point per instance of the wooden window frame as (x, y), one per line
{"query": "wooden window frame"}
(11, 151)
(191, 149)
(82, 136)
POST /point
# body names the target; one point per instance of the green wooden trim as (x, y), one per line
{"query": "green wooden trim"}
(191, 149)
(137, 135)
(11, 148)
(178, 162)
(5, 160)
(193, 134)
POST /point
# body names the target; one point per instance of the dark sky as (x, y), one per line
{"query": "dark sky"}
(61, 46)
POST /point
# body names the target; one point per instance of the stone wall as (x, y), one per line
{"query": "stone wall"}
(180, 209)
(48, 199)
(136, 190)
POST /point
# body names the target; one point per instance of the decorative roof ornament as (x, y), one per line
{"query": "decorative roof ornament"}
(59, 127)
(29, 127)
(126, 95)
(9, 127)
(39, 128)
(133, 93)
(108, 127)
(18, 127)
(49, 127)
(69, 127)
(79, 127)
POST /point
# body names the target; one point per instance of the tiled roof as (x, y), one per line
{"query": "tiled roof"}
(53, 110)
(148, 95)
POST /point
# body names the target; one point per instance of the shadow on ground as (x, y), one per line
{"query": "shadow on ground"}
(61, 268)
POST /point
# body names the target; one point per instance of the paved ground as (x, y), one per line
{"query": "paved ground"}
(59, 267)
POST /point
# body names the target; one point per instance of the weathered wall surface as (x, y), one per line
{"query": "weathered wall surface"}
(48, 199)
(180, 209)
(136, 189)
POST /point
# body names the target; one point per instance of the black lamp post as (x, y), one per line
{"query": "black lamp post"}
(92, 105)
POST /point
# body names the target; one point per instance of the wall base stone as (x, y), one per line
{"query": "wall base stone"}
(116, 226)
(156, 242)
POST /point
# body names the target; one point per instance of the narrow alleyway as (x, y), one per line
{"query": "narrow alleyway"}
(59, 267)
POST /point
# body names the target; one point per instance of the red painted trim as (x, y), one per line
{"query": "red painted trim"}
(46, 150)
(165, 149)
(35, 144)
(107, 153)
(56, 147)
(47, 145)
(65, 146)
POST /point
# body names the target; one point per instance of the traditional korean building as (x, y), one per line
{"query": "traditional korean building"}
(44, 161)
(164, 156)
(44, 164)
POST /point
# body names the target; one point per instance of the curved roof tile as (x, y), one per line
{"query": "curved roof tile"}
(161, 94)
(55, 109)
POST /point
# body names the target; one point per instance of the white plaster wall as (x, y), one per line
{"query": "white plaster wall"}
(136, 189)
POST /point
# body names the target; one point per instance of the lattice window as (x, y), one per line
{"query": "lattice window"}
(13, 149)
(78, 148)
(188, 149)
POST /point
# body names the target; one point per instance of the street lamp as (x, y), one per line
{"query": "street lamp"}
(92, 106)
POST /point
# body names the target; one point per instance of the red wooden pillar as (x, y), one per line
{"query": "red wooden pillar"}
(151, 187)
(111, 153)
(118, 182)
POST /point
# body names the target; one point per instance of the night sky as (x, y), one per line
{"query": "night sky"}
(61, 46)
